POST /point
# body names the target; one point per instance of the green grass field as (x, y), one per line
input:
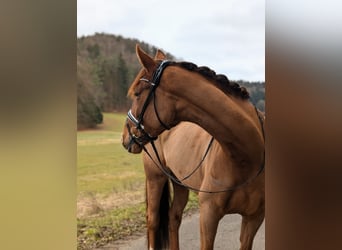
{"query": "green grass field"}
(104, 166)
(110, 184)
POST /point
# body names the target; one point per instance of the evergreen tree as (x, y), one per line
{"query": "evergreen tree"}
(122, 82)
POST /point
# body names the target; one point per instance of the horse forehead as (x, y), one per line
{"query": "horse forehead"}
(135, 84)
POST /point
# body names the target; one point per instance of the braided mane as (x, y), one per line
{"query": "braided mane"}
(221, 81)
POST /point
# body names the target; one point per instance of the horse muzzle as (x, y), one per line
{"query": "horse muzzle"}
(131, 145)
(134, 139)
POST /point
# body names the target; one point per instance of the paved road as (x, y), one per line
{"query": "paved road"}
(227, 235)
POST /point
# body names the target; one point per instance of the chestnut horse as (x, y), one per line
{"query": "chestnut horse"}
(230, 181)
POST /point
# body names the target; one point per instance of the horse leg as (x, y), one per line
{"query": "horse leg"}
(249, 227)
(209, 219)
(155, 190)
(180, 198)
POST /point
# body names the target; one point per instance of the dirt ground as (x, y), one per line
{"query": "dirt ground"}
(90, 204)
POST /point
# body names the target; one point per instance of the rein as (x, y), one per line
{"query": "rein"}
(138, 122)
(172, 177)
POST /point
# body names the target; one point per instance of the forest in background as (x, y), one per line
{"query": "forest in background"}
(107, 65)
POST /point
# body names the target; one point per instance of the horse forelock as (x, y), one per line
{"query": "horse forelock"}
(134, 84)
(221, 81)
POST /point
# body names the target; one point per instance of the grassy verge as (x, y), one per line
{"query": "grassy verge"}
(110, 226)
(111, 186)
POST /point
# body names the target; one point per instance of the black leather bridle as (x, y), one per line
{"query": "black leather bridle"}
(138, 122)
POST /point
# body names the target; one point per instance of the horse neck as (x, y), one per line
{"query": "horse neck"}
(227, 118)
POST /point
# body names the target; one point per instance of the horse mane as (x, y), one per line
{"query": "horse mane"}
(221, 81)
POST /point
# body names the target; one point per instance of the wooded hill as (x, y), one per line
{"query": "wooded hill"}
(106, 66)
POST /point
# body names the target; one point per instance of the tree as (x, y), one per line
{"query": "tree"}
(107, 76)
(88, 113)
(261, 105)
(106, 66)
(94, 51)
(122, 82)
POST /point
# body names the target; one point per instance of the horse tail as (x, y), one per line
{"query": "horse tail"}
(162, 233)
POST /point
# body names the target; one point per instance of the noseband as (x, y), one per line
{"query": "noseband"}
(138, 122)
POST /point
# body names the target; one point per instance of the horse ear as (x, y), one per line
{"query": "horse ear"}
(159, 55)
(145, 60)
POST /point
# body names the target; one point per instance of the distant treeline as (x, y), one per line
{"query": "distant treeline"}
(106, 66)
(256, 91)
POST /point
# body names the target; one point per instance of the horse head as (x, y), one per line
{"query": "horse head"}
(147, 117)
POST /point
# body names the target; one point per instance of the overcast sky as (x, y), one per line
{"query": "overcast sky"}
(225, 35)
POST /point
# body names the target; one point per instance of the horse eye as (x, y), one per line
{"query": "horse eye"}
(136, 94)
